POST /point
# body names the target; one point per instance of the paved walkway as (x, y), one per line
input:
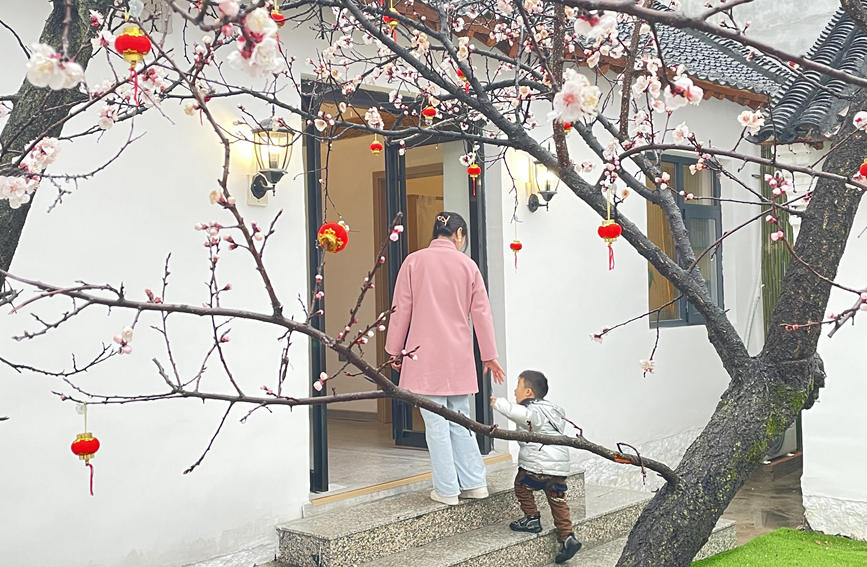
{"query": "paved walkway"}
(770, 499)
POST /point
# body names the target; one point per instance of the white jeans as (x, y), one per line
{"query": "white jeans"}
(456, 463)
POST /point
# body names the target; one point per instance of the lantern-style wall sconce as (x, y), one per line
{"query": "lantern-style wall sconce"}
(543, 186)
(273, 150)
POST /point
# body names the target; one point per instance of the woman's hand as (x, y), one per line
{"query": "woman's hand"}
(493, 400)
(496, 370)
(395, 363)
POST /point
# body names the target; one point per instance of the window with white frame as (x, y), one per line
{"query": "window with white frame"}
(700, 208)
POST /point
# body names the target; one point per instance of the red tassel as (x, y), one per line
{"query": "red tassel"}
(134, 76)
(91, 477)
(394, 35)
(474, 186)
(516, 261)
(610, 258)
(467, 87)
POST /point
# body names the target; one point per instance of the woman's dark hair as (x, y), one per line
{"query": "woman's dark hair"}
(447, 223)
(536, 381)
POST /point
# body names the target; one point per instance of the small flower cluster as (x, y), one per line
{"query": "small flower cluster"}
(395, 233)
(682, 91)
(699, 165)
(662, 181)
(216, 197)
(46, 68)
(576, 98)
(124, 339)
(752, 121)
(18, 189)
(860, 120)
(212, 231)
(779, 183)
(596, 26)
(258, 51)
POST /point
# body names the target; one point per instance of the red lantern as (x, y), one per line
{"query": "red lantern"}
(516, 247)
(392, 23)
(567, 127)
(466, 81)
(473, 170)
(133, 45)
(608, 231)
(863, 169)
(86, 446)
(429, 114)
(278, 18)
(376, 146)
(333, 236)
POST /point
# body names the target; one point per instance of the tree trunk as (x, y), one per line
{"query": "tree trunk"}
(41, 112)
(766, 394)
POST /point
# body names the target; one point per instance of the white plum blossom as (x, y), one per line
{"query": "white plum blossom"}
(46, 69)
(16, 190)
(41, 156)
(504, 7)
(860, 120)
(594, 26)
(576, 98)
(259, 22)
(104, 39)
(646, 365)
(752, 121)
(107, 116)
(123, 339)
(373, 118)
(229, 8)
(681, 132)
(190, 107)
(681, 91)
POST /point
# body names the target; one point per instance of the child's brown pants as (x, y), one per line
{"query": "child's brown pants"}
(555, 490)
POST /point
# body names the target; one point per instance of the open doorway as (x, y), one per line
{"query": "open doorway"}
(360, 434)
(367, 443)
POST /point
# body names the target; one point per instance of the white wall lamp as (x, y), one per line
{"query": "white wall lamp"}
(543, 186)
(273, 150)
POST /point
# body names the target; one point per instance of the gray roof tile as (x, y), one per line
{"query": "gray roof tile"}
(811, 105)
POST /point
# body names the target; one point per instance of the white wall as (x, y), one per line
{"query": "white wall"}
(118, 228)
(835, 497)
(562, 292)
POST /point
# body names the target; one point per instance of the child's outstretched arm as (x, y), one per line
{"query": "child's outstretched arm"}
(515, 412)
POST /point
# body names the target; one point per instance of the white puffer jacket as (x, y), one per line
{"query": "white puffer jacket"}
(543, 417)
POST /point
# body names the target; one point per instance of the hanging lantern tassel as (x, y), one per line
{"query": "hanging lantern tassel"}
(133, 45)
(466, 81)
(608, 231)
(516, 247)
(473, 170)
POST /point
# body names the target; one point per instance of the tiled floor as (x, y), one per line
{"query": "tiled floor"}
(770, 499)
(362, 453)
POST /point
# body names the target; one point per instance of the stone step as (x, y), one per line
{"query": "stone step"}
(606, 554)
(371, 530)
(608, 513)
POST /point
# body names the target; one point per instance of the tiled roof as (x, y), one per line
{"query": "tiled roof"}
(717, 60)
(811, 105)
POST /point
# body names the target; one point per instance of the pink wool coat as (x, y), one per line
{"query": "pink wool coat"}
(437, 289)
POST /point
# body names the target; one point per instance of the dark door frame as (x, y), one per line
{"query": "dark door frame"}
(395, 168)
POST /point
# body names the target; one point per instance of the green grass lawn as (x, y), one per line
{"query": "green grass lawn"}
(792, 548)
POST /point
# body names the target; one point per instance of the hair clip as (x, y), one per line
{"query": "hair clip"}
(444, 220)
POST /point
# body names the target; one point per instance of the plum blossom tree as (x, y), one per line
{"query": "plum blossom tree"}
(493, 72)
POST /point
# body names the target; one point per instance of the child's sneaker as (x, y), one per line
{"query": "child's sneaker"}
(568, 549)
(532, 524)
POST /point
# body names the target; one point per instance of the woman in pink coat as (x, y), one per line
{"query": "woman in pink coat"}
(438, 289)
